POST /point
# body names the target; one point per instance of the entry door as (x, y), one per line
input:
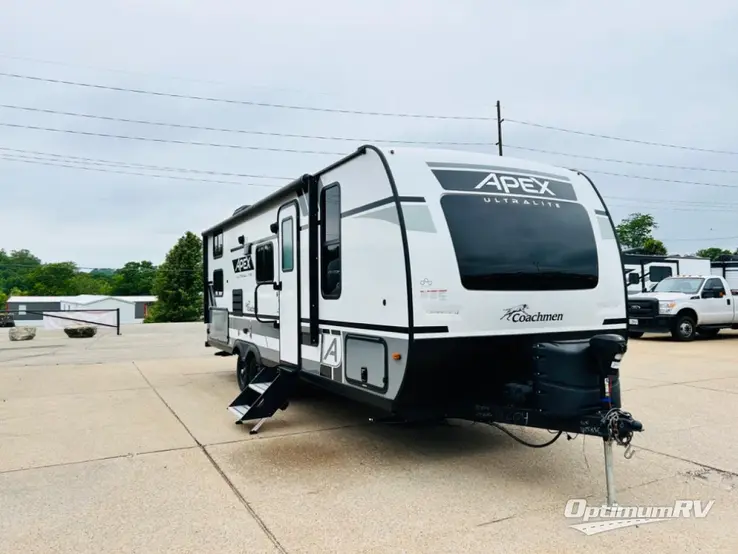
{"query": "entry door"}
(288, 222)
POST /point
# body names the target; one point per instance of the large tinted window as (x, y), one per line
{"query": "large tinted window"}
(507, 243)
(330, 241)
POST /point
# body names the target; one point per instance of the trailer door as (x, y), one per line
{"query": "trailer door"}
(288, 221)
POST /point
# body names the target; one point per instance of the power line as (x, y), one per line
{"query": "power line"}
(41, 161)
(242, 102)
(623, 139)
(627, 176)
(171, 141)
(98, 161)
(616, 160)
(239, 131)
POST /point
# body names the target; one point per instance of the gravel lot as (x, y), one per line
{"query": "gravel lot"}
(124, 444)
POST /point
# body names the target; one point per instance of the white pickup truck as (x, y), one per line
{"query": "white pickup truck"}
(685, 306)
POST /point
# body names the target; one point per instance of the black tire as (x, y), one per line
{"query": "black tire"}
(684, 329)
(708, 333)
(246, 370)
(635, 334)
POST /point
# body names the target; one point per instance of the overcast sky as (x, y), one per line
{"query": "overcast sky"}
(659, 71)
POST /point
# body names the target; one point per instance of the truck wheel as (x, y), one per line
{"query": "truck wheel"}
(708, 333)
(245, 370)
(635, 334)
(684, 329)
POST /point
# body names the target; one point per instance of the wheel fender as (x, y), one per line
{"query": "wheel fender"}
(691, 313)
(244, 348)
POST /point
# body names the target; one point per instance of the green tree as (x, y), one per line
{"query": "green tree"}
(87, 283)
(15, 269)
(713, 253)
(134, 278)
(635, 229)
(56, 279)
(178, 283)
(3, 300)
(654, 247)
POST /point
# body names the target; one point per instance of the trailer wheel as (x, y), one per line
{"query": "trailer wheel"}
(245, 370)
(635, 334)
(684, 328)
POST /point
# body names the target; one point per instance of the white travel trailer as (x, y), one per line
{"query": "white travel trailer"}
(428, 284)
(643, 271)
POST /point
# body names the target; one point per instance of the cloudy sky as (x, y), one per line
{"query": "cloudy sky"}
(658, 71)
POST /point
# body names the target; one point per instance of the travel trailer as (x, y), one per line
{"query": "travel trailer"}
(428, 284)
(727, 268)
(643, 272)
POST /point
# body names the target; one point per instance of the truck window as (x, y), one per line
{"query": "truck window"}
(659, 273)
(521, 243)
(716, 286)
(685, 285)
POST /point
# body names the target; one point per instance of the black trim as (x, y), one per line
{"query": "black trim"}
(357, 394)
(362, 384)
(617, 240)
(384, 328)
(382, 202)
(237, 248)
(601, 212)
(313, 261)
(295, 186)
(205, 280)
(615, 321)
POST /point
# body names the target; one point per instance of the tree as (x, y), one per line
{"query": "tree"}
(178, 283)
(653, 247)
(87, 283)
(55, 279)
(134, 278)
(713, 253)
(15, 268)
(636, 229)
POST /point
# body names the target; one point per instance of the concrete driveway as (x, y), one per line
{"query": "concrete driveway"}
(124, 444)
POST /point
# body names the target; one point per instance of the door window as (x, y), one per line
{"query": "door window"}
(288, 262)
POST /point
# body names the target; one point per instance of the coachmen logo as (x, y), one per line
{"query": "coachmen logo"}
(242, 264)
(519, 314)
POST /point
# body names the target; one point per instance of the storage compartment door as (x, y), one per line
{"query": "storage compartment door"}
(365, 360)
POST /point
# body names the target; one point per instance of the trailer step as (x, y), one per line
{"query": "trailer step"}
(268, 392)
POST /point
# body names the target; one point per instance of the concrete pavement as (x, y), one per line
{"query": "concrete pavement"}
(124, 444)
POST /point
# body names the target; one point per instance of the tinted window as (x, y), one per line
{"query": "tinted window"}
(218, 245)
(265, 263)
(287, 245)
(330, 241)
(218, 282)
(659, 273)
(715, 285)
(520, 243)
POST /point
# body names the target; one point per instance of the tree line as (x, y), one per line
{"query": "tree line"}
(636, 231)
(177, 282)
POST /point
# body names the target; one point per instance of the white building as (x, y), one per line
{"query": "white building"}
(38, 311)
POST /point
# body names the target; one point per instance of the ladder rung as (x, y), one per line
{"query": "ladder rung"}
(259, 387)
(239, 410)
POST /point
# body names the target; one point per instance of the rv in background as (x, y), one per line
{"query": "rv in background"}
(643, 272)
(727, 268)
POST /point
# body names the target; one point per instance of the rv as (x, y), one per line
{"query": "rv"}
(644, 272)
(427, 284)
(727, 268)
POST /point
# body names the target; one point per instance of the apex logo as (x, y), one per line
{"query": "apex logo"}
(509, 184)
(244, 263)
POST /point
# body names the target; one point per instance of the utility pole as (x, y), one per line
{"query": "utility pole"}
(499, 129)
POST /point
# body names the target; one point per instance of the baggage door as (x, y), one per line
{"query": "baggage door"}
(288, 223)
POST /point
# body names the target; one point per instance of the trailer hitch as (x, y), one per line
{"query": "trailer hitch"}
(617, 426)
